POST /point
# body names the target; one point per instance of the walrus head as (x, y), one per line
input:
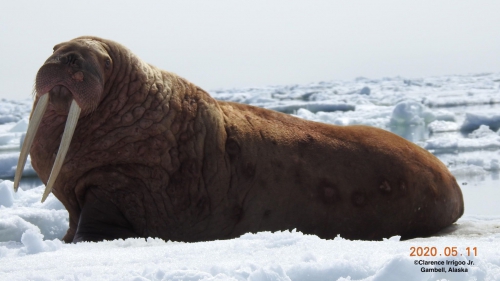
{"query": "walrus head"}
(70, 83)
(75, 71)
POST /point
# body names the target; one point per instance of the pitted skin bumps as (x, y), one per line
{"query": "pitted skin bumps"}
(153, 155)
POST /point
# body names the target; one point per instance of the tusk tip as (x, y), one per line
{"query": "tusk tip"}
(45, 195)
(16, 184)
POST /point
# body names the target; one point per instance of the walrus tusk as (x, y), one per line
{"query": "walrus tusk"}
(30, 136)
(69, 129)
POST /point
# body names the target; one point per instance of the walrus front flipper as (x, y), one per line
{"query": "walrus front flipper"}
(101, 220)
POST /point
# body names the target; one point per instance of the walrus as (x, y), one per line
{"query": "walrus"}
(135, 151)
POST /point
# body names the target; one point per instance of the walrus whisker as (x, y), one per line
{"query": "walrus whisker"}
(30, 136)
(69, 129)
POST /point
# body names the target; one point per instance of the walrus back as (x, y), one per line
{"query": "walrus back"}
(356, 181)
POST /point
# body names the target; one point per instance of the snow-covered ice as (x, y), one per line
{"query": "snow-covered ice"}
(456, 117)
(263, 256)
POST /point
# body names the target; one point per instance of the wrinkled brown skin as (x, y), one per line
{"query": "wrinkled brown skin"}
(153, 155)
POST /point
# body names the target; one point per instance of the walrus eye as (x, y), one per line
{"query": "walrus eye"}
(108, 63)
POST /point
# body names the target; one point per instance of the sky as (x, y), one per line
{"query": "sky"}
(226, 44)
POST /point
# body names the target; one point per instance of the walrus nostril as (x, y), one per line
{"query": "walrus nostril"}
(73, 60)
(70, 59)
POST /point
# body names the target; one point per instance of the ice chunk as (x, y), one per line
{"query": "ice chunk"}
(275, 273)
(480, 139)
(468, 171)
(474, 120)
(311, 106)
(395, 238)
(34, 244)
(20, 126)
(12, 227)
(411, 113)
(443, 126)
(6, 196)
(444, 115)
(482, 132)
(8, 164)
(13, 111)
(365, 91)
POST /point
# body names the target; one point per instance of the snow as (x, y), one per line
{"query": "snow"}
(287, 255)
(456, 117)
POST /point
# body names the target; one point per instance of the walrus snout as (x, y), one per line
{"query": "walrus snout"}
(74, 67)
